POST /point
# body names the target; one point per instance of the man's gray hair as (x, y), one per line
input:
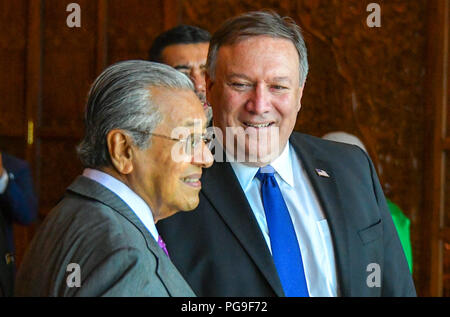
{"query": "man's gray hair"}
(257, 23)
(120, 98)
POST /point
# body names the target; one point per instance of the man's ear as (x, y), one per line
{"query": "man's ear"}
(209, 83)
(300, 94)
(120, 151)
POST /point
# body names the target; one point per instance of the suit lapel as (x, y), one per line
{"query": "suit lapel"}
(89, 188)
(225, 193)
(328, 194)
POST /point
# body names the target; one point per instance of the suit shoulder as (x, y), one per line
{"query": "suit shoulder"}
(14, 164)
(83, 219)
(346, 158)
(327, 147)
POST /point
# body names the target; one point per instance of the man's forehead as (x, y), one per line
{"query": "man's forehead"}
(185, 53)
(256, 46)
(180, 106)
(274, 53)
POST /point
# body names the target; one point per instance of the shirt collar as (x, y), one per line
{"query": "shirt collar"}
(282, 165)
(136, 203)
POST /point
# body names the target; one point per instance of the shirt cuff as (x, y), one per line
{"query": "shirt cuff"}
(4, 181)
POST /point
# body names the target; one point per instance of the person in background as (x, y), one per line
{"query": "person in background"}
(101, 239)
(185, 48)
(401, 222)
(18, 204)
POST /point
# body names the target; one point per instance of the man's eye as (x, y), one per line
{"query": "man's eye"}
(240, 86)
(279, 87)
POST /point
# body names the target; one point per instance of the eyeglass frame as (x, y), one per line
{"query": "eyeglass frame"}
(203, 137)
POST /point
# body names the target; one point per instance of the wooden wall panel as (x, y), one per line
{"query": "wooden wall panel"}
(446, 269)
(132, 27)
(13, 145)
(373, 80)
(59, 167)
(12, 52)
(68, 66)
(436, 161)
(68, 69)
(445, 220)
(210, 14)
(443, 239)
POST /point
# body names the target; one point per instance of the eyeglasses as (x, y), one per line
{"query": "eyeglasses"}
(192, 141)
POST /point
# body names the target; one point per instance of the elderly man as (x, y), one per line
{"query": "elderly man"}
(101, 239)
(287, 214)
(185, 48)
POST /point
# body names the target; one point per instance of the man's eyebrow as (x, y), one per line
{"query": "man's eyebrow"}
(281, 78)
(237, 75)
(192, 123)
(182, 66)
(274, 79)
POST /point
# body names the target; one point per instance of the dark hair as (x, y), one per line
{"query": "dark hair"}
(181, 34)
(257, 23)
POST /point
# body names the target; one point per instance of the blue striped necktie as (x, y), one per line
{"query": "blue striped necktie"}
(283, 240)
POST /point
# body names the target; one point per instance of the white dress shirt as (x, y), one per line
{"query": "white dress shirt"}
(310, 224)
(136, 203)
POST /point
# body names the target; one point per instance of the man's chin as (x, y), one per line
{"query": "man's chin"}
(190, 205)
(208, 113)
(251, 157)
(202, 97)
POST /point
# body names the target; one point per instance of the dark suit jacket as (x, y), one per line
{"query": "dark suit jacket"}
(116, 254)
(6, 265)
(17, 204)
(220, 249)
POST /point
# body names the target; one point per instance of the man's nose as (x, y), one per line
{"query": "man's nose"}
(259, 101)
(203, 156)
(198, 78)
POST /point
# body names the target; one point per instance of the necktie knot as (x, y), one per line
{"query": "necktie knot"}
(265, 172)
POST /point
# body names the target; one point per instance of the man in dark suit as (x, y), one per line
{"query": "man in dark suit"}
(101, 239)
(285, 214)
(18, 204)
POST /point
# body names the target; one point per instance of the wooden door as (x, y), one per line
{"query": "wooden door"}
(436, 216)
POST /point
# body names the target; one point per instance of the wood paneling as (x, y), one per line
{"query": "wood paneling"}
(434, 235)
(12, 52)
(68, 65)
(446, 269)
(210, 14)
(59, 167)
(132, 27)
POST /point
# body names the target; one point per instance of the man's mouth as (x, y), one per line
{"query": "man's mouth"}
(258, 125)
(193, 180)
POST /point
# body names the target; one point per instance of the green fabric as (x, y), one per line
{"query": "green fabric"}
(402, 224)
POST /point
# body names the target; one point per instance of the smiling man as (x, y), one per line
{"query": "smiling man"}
(304, 216)
(103, 231)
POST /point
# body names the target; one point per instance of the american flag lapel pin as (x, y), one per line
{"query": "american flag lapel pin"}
(322, 173)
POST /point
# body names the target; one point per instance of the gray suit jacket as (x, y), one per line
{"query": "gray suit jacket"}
(221, 251)
(117, 256)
